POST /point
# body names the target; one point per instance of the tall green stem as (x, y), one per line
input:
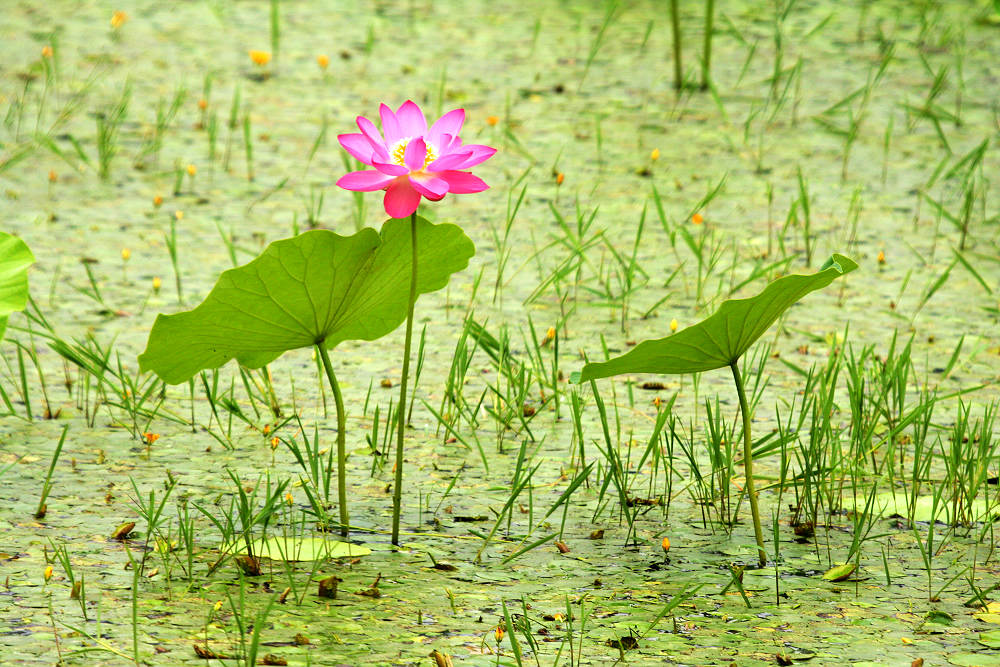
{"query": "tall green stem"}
(706, 61)
(748, 463)
(397, 487)
(341, 439)
(675, 22)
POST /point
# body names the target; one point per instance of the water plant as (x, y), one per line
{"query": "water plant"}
(411, 162)
(318, 290)
(720, 341)
(15, 258)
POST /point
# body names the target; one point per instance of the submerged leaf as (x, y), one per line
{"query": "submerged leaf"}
(318, 287)
(724, 336)
(15, 258)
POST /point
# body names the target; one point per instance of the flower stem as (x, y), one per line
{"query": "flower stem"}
(397, 487)
(675, 22)
(706, 60)
(748, 462)
(341, 439)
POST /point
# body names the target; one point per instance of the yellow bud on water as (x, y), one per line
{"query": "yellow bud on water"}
(673, 325)
(48, 573)
(655, 155)
(260, 58)
(126, 253)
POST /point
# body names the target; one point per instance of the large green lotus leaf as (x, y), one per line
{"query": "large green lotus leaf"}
(315, 287)
(725, 335)
(15, 258)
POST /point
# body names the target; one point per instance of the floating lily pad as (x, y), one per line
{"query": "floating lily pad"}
(975, 659)
(889, 503)
(839, 572)
(990, 638)
(306, 549)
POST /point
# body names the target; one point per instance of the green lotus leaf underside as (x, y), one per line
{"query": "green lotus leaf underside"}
(725, 335)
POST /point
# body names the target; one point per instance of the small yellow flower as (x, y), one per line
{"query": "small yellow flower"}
(498, 633)
(46, 51)
(126, 254)
(323, 60)
(655, 155)
(550, 334)
(275, 441)
(289, 499)
(192, 170)
(53, 176)
(217, 606)
(150, 437)
(260, 58)
(157, 284)
(665, 544)
(157, 201)
(492, 120)
(881, 257)
(560, 177)
(48, 573)
(203, 104)
(179, 215)
(673, 325)
(118, 19)
(697, 218)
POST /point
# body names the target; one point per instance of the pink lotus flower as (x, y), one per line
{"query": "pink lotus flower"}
(412, 161)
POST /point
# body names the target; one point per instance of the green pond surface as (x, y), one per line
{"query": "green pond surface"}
(577, 96)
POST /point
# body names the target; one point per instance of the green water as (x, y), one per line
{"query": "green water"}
(526, 66)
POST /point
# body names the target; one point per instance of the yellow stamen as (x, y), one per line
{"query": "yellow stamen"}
(397, 153)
